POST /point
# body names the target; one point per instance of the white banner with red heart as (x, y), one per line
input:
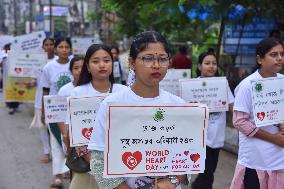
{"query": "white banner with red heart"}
(31, 42)
(82, 113)
(268, 101)
(55, 108)
(21, 64)
(155, 139)
(212, 91)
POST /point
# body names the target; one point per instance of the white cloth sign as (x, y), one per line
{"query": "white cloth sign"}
(170, 82)
(268, 101)
(116, 72)
(211, 91)
(55, 108)
(155, 139)
(82, 112)
(28, 42)
(81, 45)
(23, 64)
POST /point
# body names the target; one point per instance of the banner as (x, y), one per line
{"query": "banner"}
(155, 139)
(26, 64)
(28, 42)
(212, 91)
(170, 82)
(81, 45)
(82, 112)
(55, 108)
(18, 89)
(268, 101)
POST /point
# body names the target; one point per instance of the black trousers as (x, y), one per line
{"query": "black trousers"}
(205, 180)
(251, 179)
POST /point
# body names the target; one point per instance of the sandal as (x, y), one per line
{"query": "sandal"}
(45, 158)
(56, 183)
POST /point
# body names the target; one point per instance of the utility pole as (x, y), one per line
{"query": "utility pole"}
(15, 16)
(82, 18)
(98, 21)
(50, 18)
(31, 15)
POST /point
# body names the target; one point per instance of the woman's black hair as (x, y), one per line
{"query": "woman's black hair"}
(263, 47)
(141, 41)
(85, 75)
(115, 47)
(66, 39)
(48, 39)
(201, 58)
(73, 60)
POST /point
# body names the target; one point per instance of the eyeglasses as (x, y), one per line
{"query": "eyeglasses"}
(149, 60)
(276, 54)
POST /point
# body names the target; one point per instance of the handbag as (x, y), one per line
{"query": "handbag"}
(75, 162)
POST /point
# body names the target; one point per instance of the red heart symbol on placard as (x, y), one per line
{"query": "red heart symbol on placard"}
(224, 102)
(49, 116)
(18, 70)
(21, 92)
(131, 160)
(186, 153)
(260, 115)
(194, 157)
(87, 132)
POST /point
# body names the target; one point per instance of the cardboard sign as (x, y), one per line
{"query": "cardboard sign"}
(28, 42)
(211, 91)
(55, 108)
(18, 89)
(268, 101)
(170, 82)
(81, 45)
(82, 112)
(26, 64)
(155, 139)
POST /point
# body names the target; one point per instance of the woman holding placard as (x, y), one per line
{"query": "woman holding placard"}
(149, 58)
(48, 47)
(261, 149)
(55, 75)
(207, 67)
(96, 79)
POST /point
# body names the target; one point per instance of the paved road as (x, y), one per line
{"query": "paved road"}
(21, 150)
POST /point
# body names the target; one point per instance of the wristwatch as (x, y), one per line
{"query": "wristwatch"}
(174, 180)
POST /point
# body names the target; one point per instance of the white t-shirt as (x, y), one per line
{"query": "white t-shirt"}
(217, 126)
(89, 90)
(38, 95)
(66, 90)
(97, 141)
(255, 153)
(55, 75)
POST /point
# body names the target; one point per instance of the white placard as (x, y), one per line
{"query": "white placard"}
(55, 108)
(82, 112)
(170, 82)
(155, 139)
(268, 101)
(28, 42)
(116, 71)
(212, 91)
(81, 45)
(28, 64)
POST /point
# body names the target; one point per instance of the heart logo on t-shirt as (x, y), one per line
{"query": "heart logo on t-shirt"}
(131, 160)
(260, 115)
(87, 132)
(18, 70)
(194, 157)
